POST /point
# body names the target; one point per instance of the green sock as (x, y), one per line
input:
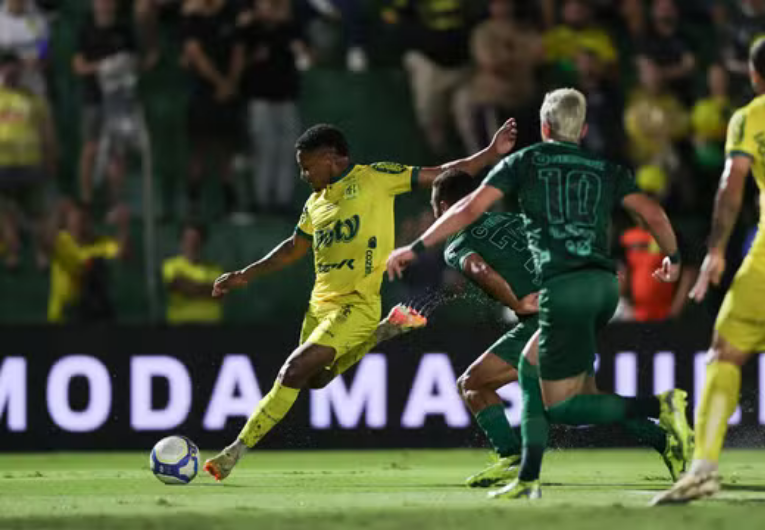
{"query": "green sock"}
(595, 409)
(647, 432)
(534, 425)
(494, 424)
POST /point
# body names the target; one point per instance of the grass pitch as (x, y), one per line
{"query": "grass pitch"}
(374, 490)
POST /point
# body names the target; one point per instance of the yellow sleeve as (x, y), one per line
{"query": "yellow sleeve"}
(213, 273)
(304, 227)
(106, 248)
(395, 178)
(740, 140)
(67, 252)
(169, 270)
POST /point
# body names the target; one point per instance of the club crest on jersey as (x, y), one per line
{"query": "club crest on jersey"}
(351, 191)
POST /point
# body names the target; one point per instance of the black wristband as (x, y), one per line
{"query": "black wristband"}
(674, 259)
(418, 247)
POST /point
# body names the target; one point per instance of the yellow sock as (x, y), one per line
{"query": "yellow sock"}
(270, 411)
(718, 403)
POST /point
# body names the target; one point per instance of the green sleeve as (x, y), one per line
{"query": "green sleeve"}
(625, 183)
(457, 251)
(505, 175)
(169, 270)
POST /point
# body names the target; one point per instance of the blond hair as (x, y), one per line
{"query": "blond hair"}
(564, 111)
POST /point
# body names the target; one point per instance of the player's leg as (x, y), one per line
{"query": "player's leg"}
(572, 308)
(649, 433)
(719, 399)
(478, 387)
(739, 331)
(401, 319)
(535, 429)
(294, 375)
(304, 362)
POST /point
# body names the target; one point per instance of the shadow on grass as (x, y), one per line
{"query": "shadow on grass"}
(743, 487)
(608, 485)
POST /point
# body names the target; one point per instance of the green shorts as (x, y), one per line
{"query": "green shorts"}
(573, 308)
(510, 346)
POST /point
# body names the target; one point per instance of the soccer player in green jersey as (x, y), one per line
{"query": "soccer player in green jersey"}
(566, 195)
(492, 253)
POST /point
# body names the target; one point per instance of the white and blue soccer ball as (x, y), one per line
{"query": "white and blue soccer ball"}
(175, 460)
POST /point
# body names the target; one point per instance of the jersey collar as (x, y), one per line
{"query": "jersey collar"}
(564, 143)
(343, 174)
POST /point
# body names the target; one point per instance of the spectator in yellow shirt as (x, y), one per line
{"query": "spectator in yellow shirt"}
(578, 31)
(189, 282)
(27, 159)
(79, 290)
(710, 119)
(654, 118)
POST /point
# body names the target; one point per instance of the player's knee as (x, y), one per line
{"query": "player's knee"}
(294, 374)
(723, 351)
(321, 379)
(464, 385)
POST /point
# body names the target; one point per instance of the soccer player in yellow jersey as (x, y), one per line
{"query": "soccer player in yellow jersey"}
(740, 326)
(348, 221)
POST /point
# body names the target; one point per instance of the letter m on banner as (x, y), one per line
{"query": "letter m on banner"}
(367, 394)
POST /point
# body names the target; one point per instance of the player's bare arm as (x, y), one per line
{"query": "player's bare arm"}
(502, 143)
(283, 255)
(730, 194)
(658, 224)
(463, 213)
(484, 276)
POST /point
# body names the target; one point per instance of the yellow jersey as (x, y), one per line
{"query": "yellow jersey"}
(20, 139)
(746, 137)
(351, 225)
(69, 261)
(182, 308)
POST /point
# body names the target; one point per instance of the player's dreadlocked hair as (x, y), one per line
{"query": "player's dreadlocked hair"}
(757, 56)
(452, 185)
(323, 136)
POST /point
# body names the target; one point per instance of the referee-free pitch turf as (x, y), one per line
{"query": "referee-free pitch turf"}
(419, 490)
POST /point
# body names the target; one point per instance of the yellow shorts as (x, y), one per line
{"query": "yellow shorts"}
(741, 320)
(341, 324)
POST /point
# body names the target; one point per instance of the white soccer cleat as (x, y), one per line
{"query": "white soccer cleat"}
(693, 486)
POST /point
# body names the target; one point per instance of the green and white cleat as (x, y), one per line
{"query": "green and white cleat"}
(674, 421)
(673, 458)
(500, 472)
(693, 486)
(518, 489)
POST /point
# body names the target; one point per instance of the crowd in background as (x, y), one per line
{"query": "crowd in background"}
(661, 77)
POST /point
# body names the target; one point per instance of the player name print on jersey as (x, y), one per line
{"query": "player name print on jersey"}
(342, 231)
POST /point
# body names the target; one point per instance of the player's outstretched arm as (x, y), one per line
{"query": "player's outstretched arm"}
(484, 276)
(730, 194)
(461, 214)
(502, 143)
(286, 253)
(658, 223)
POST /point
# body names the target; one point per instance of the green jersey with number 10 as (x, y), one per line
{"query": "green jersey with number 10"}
(567, 196)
